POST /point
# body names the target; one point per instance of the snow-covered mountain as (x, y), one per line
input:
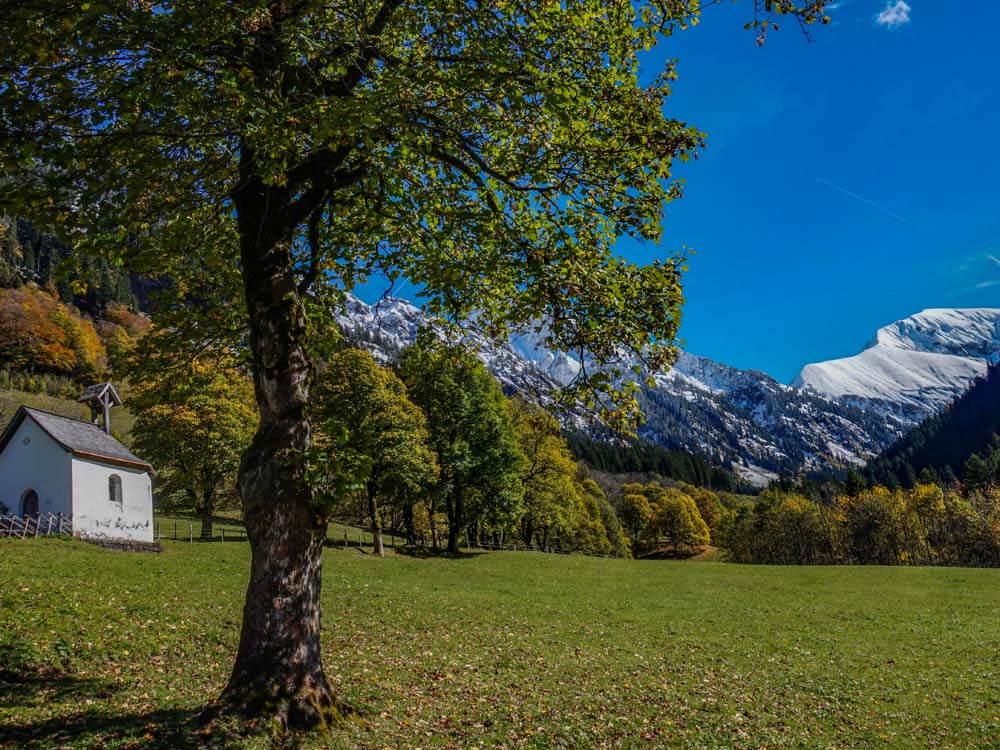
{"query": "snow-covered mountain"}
(913, 367)
(743, 419)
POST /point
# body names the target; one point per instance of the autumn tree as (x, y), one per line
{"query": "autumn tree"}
(678, 519)
(470, 431)
(490, 153)
(364, 419)
(636, 513)
(548, 474)
(596, 530)
(195, 417)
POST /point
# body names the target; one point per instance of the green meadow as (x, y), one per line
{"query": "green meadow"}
(110, 650)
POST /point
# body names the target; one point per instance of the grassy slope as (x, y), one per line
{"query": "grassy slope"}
(512, 650)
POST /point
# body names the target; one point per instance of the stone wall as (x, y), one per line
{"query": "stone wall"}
(124, 545)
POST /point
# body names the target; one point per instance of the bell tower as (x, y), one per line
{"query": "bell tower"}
(101, 398)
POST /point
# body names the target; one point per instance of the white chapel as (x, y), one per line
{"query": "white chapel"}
(50, 464)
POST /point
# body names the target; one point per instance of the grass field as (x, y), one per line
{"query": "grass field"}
(112, 650)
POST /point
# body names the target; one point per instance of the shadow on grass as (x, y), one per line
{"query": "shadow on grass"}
(23, 683)
(168, 729)
(27, 688)
(417, 551)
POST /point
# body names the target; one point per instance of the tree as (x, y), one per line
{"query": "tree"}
(854, 483)
(548, 474)
(470, 430)
(979, 472)
(278, 152)
(195, 418)
(591, 533)
(362, 409)
(677, 518)
(636, 512)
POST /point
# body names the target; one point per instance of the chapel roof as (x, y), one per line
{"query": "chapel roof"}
(83, 439)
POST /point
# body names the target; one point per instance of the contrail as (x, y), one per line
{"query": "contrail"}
(861, 198)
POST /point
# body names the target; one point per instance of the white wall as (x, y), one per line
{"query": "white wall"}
(93, 512)
(42, 465)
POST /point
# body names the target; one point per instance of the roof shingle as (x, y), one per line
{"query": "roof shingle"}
(80, 437)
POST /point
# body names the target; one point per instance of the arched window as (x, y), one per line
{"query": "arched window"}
(29, 503)
(115, 489)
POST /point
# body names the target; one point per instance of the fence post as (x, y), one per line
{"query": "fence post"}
(345, 537)
(48, 529)
(223, 529)
(190, 532)
(175, 528)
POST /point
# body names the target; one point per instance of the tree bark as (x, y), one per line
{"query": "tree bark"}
(408, 523)
(207, 514)
(374, 512)
(278, 672)
(527, 529)
(455, 521)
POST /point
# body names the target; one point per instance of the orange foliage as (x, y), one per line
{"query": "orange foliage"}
(37, 332)
(134, 324)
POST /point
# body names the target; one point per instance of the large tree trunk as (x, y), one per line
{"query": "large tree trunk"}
(278, 672)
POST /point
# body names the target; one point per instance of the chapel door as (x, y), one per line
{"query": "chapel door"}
(29, 504)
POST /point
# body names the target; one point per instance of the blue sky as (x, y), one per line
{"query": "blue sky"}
(846, 184)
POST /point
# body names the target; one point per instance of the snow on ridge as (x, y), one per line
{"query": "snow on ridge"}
(915, 366)
(970, 332)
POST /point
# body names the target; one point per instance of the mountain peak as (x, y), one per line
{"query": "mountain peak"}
(914, 366)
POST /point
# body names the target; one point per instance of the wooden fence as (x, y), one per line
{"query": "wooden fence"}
(22, 527)
(184, 531)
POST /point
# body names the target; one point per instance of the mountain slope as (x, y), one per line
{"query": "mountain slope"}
(945, 441)
(744, 420)
(915, 366)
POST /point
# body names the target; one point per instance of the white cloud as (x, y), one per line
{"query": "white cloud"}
(986, 284)
(894, 15)
(993, 258)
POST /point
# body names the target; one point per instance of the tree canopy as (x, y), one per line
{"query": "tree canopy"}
(362, 409)
(194, 420)
(490, 154)
(471, 432)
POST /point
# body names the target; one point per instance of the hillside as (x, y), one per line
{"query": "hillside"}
(507, 650)
(945, 441)
(29, 255)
